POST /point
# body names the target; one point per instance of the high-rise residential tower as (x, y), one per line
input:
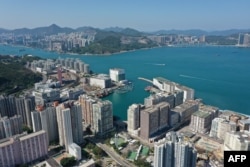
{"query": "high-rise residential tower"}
(102, 117)
(172, 151)
(133, 119)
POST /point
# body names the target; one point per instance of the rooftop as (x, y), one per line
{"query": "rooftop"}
(201, 114)
(161, 79)
(28, 136)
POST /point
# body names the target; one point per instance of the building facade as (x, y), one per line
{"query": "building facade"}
(153, 119)
(102, 117)
(172, 151)
(133, 119)
(23, 149)
(117, 74)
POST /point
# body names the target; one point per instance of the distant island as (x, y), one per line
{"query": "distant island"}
(14, 76)
(89, 40)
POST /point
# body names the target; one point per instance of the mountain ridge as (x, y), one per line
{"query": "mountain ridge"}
(54, 29)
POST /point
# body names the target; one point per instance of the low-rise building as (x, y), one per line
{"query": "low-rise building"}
(237, 141)
(117, 74)
(220, 126)
(101, 81)
(75, 151)
(201, 121)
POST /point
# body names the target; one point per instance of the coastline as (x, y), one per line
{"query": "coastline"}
(124, 51)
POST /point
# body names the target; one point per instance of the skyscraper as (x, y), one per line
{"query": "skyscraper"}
(172, 151)
(76, 123)
(46, 120)
(102, 117)
(133, 118)
(87, 108)
(153, 119)
(69, 123)
(64, 127)
(24, 106)
(8, 106)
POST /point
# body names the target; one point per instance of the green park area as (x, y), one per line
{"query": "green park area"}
(144, 151)
(132, 156)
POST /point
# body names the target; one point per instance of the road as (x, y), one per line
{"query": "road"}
(114, 155)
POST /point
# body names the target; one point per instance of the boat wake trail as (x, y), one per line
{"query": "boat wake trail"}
(156, 64)
(192, 77)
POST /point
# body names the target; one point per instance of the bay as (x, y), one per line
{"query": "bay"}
(220, 75)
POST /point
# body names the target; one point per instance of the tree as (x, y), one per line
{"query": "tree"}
(28, 129)
(142, 163)
(68, 161)
(98, 151)
(86, 154)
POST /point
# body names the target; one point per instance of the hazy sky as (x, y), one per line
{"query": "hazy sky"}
(145, 15)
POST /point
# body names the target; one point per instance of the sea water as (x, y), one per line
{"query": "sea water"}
(220, 75)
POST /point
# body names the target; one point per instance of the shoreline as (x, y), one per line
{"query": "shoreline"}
(123, 51)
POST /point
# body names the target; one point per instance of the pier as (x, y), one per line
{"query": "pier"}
(145, 79)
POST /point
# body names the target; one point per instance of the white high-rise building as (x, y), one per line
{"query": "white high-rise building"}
(64, 127)
(133, 119)
(69, 119)
(173, 152)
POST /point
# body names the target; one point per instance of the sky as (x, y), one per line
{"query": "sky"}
(143, 15)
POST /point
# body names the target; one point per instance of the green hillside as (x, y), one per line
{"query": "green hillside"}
(14, 76)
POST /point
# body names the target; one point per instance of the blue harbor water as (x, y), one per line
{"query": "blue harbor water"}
(219, 75)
